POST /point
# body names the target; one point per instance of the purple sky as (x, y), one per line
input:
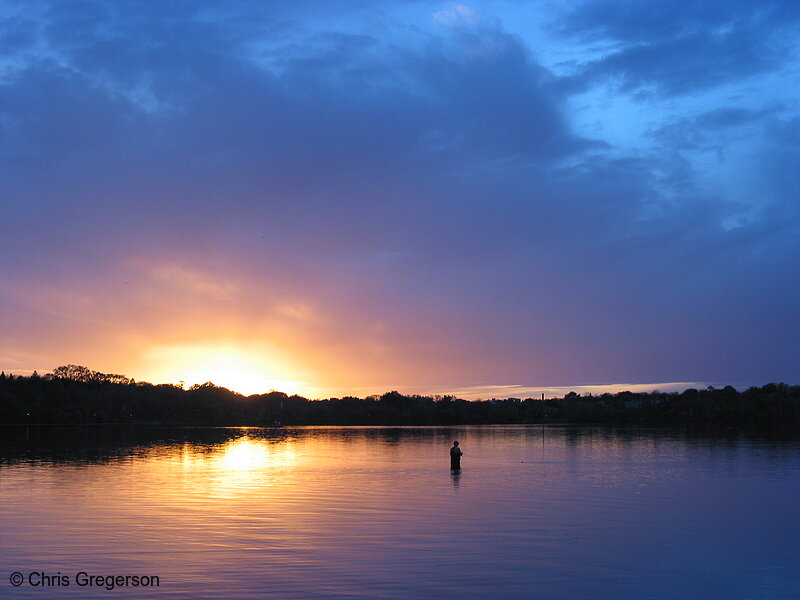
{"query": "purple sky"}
(360, 196)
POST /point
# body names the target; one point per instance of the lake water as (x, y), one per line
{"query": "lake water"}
(330, 512)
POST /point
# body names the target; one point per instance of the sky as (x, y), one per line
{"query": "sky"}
(332, 198)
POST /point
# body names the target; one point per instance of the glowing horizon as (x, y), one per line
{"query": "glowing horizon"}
(244, 371)
(237, 378)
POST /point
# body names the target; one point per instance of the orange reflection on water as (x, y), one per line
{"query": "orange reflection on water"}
(233, 468)
(246, 455)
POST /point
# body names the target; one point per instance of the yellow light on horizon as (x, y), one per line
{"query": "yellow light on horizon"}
(247, 371)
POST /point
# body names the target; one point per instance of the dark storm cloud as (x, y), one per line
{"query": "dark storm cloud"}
(182, 98)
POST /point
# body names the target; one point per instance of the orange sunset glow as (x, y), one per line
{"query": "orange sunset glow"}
(182, 323)
(247, 371)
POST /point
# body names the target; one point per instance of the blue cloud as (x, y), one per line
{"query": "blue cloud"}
(677, 49)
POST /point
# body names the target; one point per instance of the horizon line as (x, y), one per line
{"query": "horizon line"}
(480, 391)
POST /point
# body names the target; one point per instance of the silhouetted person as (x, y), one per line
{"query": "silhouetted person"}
(455, 457)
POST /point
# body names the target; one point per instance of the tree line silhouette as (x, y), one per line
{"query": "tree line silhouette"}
(76, 394)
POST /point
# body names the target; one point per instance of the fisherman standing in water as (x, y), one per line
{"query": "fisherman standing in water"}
(455, 457)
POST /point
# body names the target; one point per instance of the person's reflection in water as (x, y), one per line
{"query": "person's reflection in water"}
(455, 475)
(455, 457)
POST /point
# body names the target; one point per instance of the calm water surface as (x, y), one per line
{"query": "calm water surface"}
(553, 512)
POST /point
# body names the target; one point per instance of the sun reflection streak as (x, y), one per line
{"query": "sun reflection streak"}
(246, 454)
(242, 464)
